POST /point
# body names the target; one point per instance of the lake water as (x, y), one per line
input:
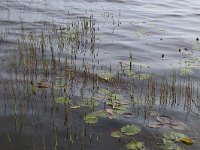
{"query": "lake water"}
(72, 43)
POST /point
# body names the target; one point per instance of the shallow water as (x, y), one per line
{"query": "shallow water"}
(114, 31)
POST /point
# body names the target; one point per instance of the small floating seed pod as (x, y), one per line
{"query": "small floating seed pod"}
(163, 56)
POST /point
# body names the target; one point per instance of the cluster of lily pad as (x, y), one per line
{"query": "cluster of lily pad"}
(129, 130)
(166, 120)
(172, 140)
(114, 106)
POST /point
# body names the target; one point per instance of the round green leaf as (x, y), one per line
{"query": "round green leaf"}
(91, 119)
(116, 134)
(62, 100)
(135, 146)
(176, 136)
(130, 130)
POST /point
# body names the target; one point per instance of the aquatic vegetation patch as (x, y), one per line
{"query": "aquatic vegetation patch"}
(126, 132)
(172, 140)
(186, 71)
(166, 120)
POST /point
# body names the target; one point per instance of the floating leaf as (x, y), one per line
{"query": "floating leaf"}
(89, 103)
(176, 136)
(115, 96)
(101, 113)
(103, 91)
(116, 134)
(33, 89)
(127, 115)
(164, 119)
(169, 145)
(130, 130)
(75, 107)
(179, 148)
(135, 146)
(62, 100)
(141, 76)
(155, 124)
(153, 113)
(93, 116)
(130, 73)
(120, 110)
(186, 141)
(178, 125)
(110, 111)
(106, 76)
(91, 119)
(42, 84)
(71, 36)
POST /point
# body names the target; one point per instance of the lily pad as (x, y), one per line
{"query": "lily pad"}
(115, 96)
(130, 73)
(175, 136)
(135, 146)
(106, 76)
(116, 134)
(103, 91)
(62, 100)
(90, 119)
(155, 124)
(164, 119)
(141, 76)
(127, 115)
(93, 116)
(42, 84)
(186, 141)
(130, 129)
(101, 113)
(89, 103)
(169, 145)
(178, 125)
(75, 107)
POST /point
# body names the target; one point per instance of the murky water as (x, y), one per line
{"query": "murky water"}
(145, 51)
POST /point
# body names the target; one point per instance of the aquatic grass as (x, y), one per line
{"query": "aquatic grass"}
(56, 54)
